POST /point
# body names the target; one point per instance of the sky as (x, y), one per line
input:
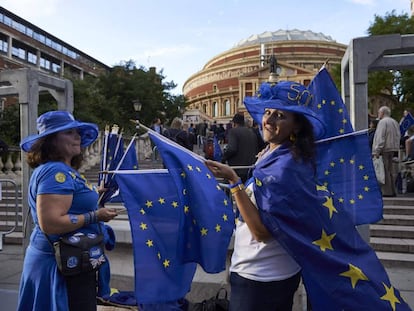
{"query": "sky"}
(179, 37)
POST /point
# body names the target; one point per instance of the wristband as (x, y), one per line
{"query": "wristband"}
(94, 217)
(238, 187)
(239, 182)
(87, 219)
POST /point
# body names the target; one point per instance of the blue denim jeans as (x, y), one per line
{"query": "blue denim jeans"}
(249, 295)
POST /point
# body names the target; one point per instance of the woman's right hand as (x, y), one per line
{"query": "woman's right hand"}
(106, 214)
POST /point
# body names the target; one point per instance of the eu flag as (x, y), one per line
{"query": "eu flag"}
(156, 219)
(209, 217)
(345, 167)
(217, 150)
(114, 157)
(340, 270)
(328, 104)
(406, 123)
(344, 164)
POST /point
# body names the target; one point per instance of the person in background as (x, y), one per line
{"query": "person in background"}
(61, 201)
(177, 134)
(409, 150)
(260, 142)
(386, 143)
(371, 131)
(263, 276)
(241, 148)
(157, 126)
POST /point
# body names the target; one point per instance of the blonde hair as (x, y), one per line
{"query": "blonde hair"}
(176, 123)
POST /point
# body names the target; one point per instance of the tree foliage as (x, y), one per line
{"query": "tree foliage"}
(395, 85)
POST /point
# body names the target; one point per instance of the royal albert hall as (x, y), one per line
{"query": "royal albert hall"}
(216, 92)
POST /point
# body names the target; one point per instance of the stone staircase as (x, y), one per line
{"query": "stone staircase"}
(393, 237)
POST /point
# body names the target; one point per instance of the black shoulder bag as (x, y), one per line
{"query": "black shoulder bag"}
(79, 253)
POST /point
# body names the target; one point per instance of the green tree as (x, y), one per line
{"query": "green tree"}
(395, 85)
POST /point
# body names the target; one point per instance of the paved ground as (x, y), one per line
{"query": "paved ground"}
(203, 287)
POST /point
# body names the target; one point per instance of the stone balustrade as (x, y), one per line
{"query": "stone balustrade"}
(11, 165)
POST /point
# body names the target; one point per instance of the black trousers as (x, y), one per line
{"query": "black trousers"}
(82, 291)
(249, 295)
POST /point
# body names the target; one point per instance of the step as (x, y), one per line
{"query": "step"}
(403, 199)
(398, 209)
(399, 260)
(398, 220)
(392, 245)
(391, 231)
(15, 238)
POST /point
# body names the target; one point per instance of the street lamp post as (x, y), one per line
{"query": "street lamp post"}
(137, 107)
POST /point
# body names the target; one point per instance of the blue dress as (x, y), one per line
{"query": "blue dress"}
(42, 287)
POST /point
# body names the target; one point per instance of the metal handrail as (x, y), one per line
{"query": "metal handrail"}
(16, 205)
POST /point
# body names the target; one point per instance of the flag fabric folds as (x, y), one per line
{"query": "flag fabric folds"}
(328, 104)
(208, 213)
(345, 167)
(340, 270)
(114, 157)
(217, 150)
(344, 164)
(156, 219)
(406, 123)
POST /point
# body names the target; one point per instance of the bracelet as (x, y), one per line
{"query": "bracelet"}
(239, 182)
(94, 217)
(237, 188)
(87, 219)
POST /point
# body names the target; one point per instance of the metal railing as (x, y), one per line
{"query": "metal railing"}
(9, 208)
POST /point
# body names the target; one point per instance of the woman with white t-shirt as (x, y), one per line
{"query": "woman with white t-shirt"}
(263, 276)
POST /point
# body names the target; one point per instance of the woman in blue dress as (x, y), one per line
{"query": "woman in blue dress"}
(61, 201)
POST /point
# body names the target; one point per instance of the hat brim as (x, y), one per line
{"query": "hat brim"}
(88, 132)
(256, 108)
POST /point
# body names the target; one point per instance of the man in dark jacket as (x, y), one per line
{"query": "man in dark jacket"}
(242, 146)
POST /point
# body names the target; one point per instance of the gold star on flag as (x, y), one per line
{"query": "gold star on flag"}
(174, 204)
(225, 202)
(361, 167)
(225, 218)
(390, 296)
(208, 176)
(366, 189)
(355, 274)
(142, 211)
(366, 177)
(218, 228)
(332, 102)
(186, 209)
(329, 205)
(198, 169)
(166, 263)
(161, 200)
(148, 204)
(143, 226)
(190, 167)
(150, 243)
(325, 241)
(203, 231)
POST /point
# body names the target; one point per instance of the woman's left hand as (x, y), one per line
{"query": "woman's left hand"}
(221, 170)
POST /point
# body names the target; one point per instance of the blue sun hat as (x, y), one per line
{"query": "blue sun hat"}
(287, 96)
(56, 121)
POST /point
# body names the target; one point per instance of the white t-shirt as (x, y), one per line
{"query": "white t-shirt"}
(260, 261)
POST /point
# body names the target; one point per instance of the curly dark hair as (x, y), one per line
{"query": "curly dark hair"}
(44, 150)
(304, 145)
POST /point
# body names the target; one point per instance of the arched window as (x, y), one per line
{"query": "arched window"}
(227, 111)
(214, 109)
